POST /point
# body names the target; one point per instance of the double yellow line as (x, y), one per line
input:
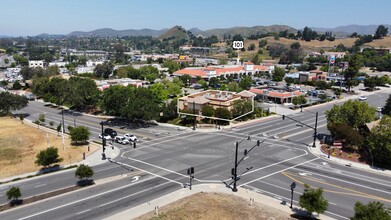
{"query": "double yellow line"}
(351, 192)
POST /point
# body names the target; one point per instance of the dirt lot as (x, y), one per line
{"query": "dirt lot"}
(20, 143)
(212, 206)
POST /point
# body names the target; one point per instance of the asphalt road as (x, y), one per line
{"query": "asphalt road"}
(164, 158)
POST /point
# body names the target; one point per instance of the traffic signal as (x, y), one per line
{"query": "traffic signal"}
(188, 171)
(245, 152)
(258, 142)
(283, 117)
(191, 170)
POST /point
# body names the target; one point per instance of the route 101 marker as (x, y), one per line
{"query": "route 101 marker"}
(238, 45)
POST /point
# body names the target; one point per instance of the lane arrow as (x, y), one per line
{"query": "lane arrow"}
(135, 178)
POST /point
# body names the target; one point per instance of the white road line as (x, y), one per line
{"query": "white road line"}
(270, 165)
(81, 200)
(40, 185)
(124, 164)
(288, 199)
(294, 134)
(150, 145)
(271, 174)
(83, 211)
(344, 181)
(132, 194)
(152, 165)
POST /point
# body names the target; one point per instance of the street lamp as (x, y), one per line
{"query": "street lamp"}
(293, 186)
(103, 143)
(234, 170)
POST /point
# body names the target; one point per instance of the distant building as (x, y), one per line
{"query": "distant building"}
(336, 54)
(247, 69)
(87, 53)
(104, 84)
(58, 63)
(277, 96)
(35, 63)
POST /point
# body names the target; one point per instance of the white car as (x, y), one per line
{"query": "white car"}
(130, 137)
(379, 109)
(105, 136)
(275, 136)
(362, 98)
(121, 140)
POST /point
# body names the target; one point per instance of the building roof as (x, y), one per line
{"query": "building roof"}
(191, 72)
(275, 93)
(198, 100)
(219, 70)
(246, 94)
(372, 124)
(316, 71)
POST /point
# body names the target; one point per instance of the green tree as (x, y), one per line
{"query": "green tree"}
(234, 87)
(246, 82)
(185, 79)
(51, 123)
(256, 59)
(47, 157)
(213, 82)
(337, 92)
(114, 97)
(355, 63)
(370, 83)
(345, 132)
(207, 110)
(13, 194)
(379, 141)
(313, 201)
(240, 107)
(262, 43)
(84, 172)
(80, 134)
(171, 65)
(160, 91)
(322, 96)
(103, 70)
(203, 84)
(16, 85)
(289, 81)
(351, 113)
(299, 100)
(386, 110)
(278, 74)
(381, 32)
(41, 118)
(373, 210)
(10, 102)
(173, 89)
(58, 129)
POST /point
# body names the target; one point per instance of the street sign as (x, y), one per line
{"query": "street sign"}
(332, 58)
(238, 45)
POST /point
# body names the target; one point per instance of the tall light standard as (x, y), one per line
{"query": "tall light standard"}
(234, 170)
(293, 186)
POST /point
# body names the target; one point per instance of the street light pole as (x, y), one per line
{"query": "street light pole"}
(315, 129)
(103, 143)
(195, 118)
(293, 186)
(234, 189)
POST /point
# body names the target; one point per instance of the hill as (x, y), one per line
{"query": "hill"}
(248, 31)
(176, 32)
(108, 32)
(342, 31)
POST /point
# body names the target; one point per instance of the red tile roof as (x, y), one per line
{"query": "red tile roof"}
(191, 72)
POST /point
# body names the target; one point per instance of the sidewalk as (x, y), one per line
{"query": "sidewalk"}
(323, 155)
(216, 188)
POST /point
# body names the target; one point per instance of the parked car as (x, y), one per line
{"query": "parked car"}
(130, 137)
(379, 109)
(111, 132)
(362, 98)
(121, 140)
(105, 136)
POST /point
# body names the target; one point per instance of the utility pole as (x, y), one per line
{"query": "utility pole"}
(195, 117)
(235, 173)
(62, 130)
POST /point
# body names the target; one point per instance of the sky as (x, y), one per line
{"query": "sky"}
(33, 17)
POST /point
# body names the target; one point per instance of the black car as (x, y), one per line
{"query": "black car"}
(111, 132)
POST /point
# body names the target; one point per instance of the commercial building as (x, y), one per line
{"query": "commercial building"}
(247, 69)
(35, 63)
(276, 96)
(214, 98)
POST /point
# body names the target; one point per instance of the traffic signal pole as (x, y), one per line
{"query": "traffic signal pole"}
(234, 189)
(315, 127)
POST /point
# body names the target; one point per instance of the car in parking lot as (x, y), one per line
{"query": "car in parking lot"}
(130, 137)
(362, 98)
(105, 136)
(121, 140)
(379, 109)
